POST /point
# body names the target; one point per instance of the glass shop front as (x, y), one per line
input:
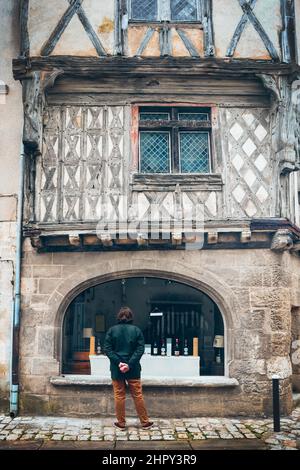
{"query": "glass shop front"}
(183, 328)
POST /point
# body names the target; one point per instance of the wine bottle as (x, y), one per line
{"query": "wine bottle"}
(98, 347)
(155, 349)
(185, 349)
(177, 351)
(163, 348)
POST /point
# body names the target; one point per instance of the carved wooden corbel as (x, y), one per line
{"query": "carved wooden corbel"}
(106, 239)
(282, 241)
(286, 111)
(176, 238)
(246, 236)
(34, 90)
(212, 237)
(142, 239)
(271, 83)
(36, 242)
(74, 239)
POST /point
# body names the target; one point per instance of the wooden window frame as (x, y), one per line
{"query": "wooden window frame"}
(164, 13)
(174, 126)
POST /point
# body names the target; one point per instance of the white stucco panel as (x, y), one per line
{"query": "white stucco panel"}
(226, 16)
(43, 18)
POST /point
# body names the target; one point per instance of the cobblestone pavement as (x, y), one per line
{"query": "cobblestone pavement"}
(74, 429)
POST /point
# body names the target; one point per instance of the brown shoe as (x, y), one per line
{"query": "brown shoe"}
(147, 425)
(120, 426)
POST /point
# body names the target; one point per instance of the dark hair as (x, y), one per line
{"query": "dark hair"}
(125, 315)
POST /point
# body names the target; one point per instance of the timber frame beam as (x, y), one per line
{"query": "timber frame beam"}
(276, 234)
(86, 67)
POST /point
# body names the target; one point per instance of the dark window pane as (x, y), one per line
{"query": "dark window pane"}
(193, 116)
(144, 10)
(155, 152)
(194, 152)
(184, 10)
(154, 116)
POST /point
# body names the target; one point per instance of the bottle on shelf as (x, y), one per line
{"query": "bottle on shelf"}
(186, 348)
(177, 350)
(98, 350)
(155, 349)
(163, 348)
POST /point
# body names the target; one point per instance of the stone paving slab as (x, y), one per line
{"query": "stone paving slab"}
(154, 445)
(229, 444)
(63, 432)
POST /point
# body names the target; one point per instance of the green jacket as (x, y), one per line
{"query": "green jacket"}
(124, 343)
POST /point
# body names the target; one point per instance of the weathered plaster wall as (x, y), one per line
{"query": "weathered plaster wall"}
(43, 18)
(228, 13)
(252, 288)
(10, 131)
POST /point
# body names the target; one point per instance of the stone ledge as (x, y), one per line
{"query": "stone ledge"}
(94, 381)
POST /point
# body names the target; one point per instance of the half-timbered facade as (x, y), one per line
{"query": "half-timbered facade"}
(142, 118)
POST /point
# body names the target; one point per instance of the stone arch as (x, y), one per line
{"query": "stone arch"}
(202, 280)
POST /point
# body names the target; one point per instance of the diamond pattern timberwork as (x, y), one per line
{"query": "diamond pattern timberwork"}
(81, 162)
(247, 139)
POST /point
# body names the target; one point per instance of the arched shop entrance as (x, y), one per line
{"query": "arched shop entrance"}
(167, 311)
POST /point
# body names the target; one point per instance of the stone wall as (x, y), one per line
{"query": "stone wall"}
(254, 289)
(10, 131)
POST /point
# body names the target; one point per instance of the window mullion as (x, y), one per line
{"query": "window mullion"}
(175, 143)
(164, 10)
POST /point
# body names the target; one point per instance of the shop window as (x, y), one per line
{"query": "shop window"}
(165, 10)
(176, 320)
(174, 140)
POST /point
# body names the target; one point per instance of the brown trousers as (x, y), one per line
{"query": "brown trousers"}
(135, 388)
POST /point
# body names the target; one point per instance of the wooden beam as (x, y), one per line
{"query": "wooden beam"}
(238, 32)
(24, 36)
(286, 17)
(188, 44)
(177, 124)
(34, 88)
(91, 33)
(165, 40)
(145, 41)
(60, 27)
(207, 20)
(297, 29)
(247, 9)
(92, 67)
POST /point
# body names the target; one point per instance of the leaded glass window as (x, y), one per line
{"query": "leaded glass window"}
(174, 139)
(155, 152)
(184, 10)
(154, 116)
(165, 10)
(193, 151)
(193, 116)
(144, 10)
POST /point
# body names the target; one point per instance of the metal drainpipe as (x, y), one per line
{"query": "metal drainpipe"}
(14, 378)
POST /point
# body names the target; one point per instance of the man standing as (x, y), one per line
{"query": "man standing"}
(124, 345)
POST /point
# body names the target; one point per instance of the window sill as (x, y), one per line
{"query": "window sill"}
(198, 382)
(133, 22)
(168, 182)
